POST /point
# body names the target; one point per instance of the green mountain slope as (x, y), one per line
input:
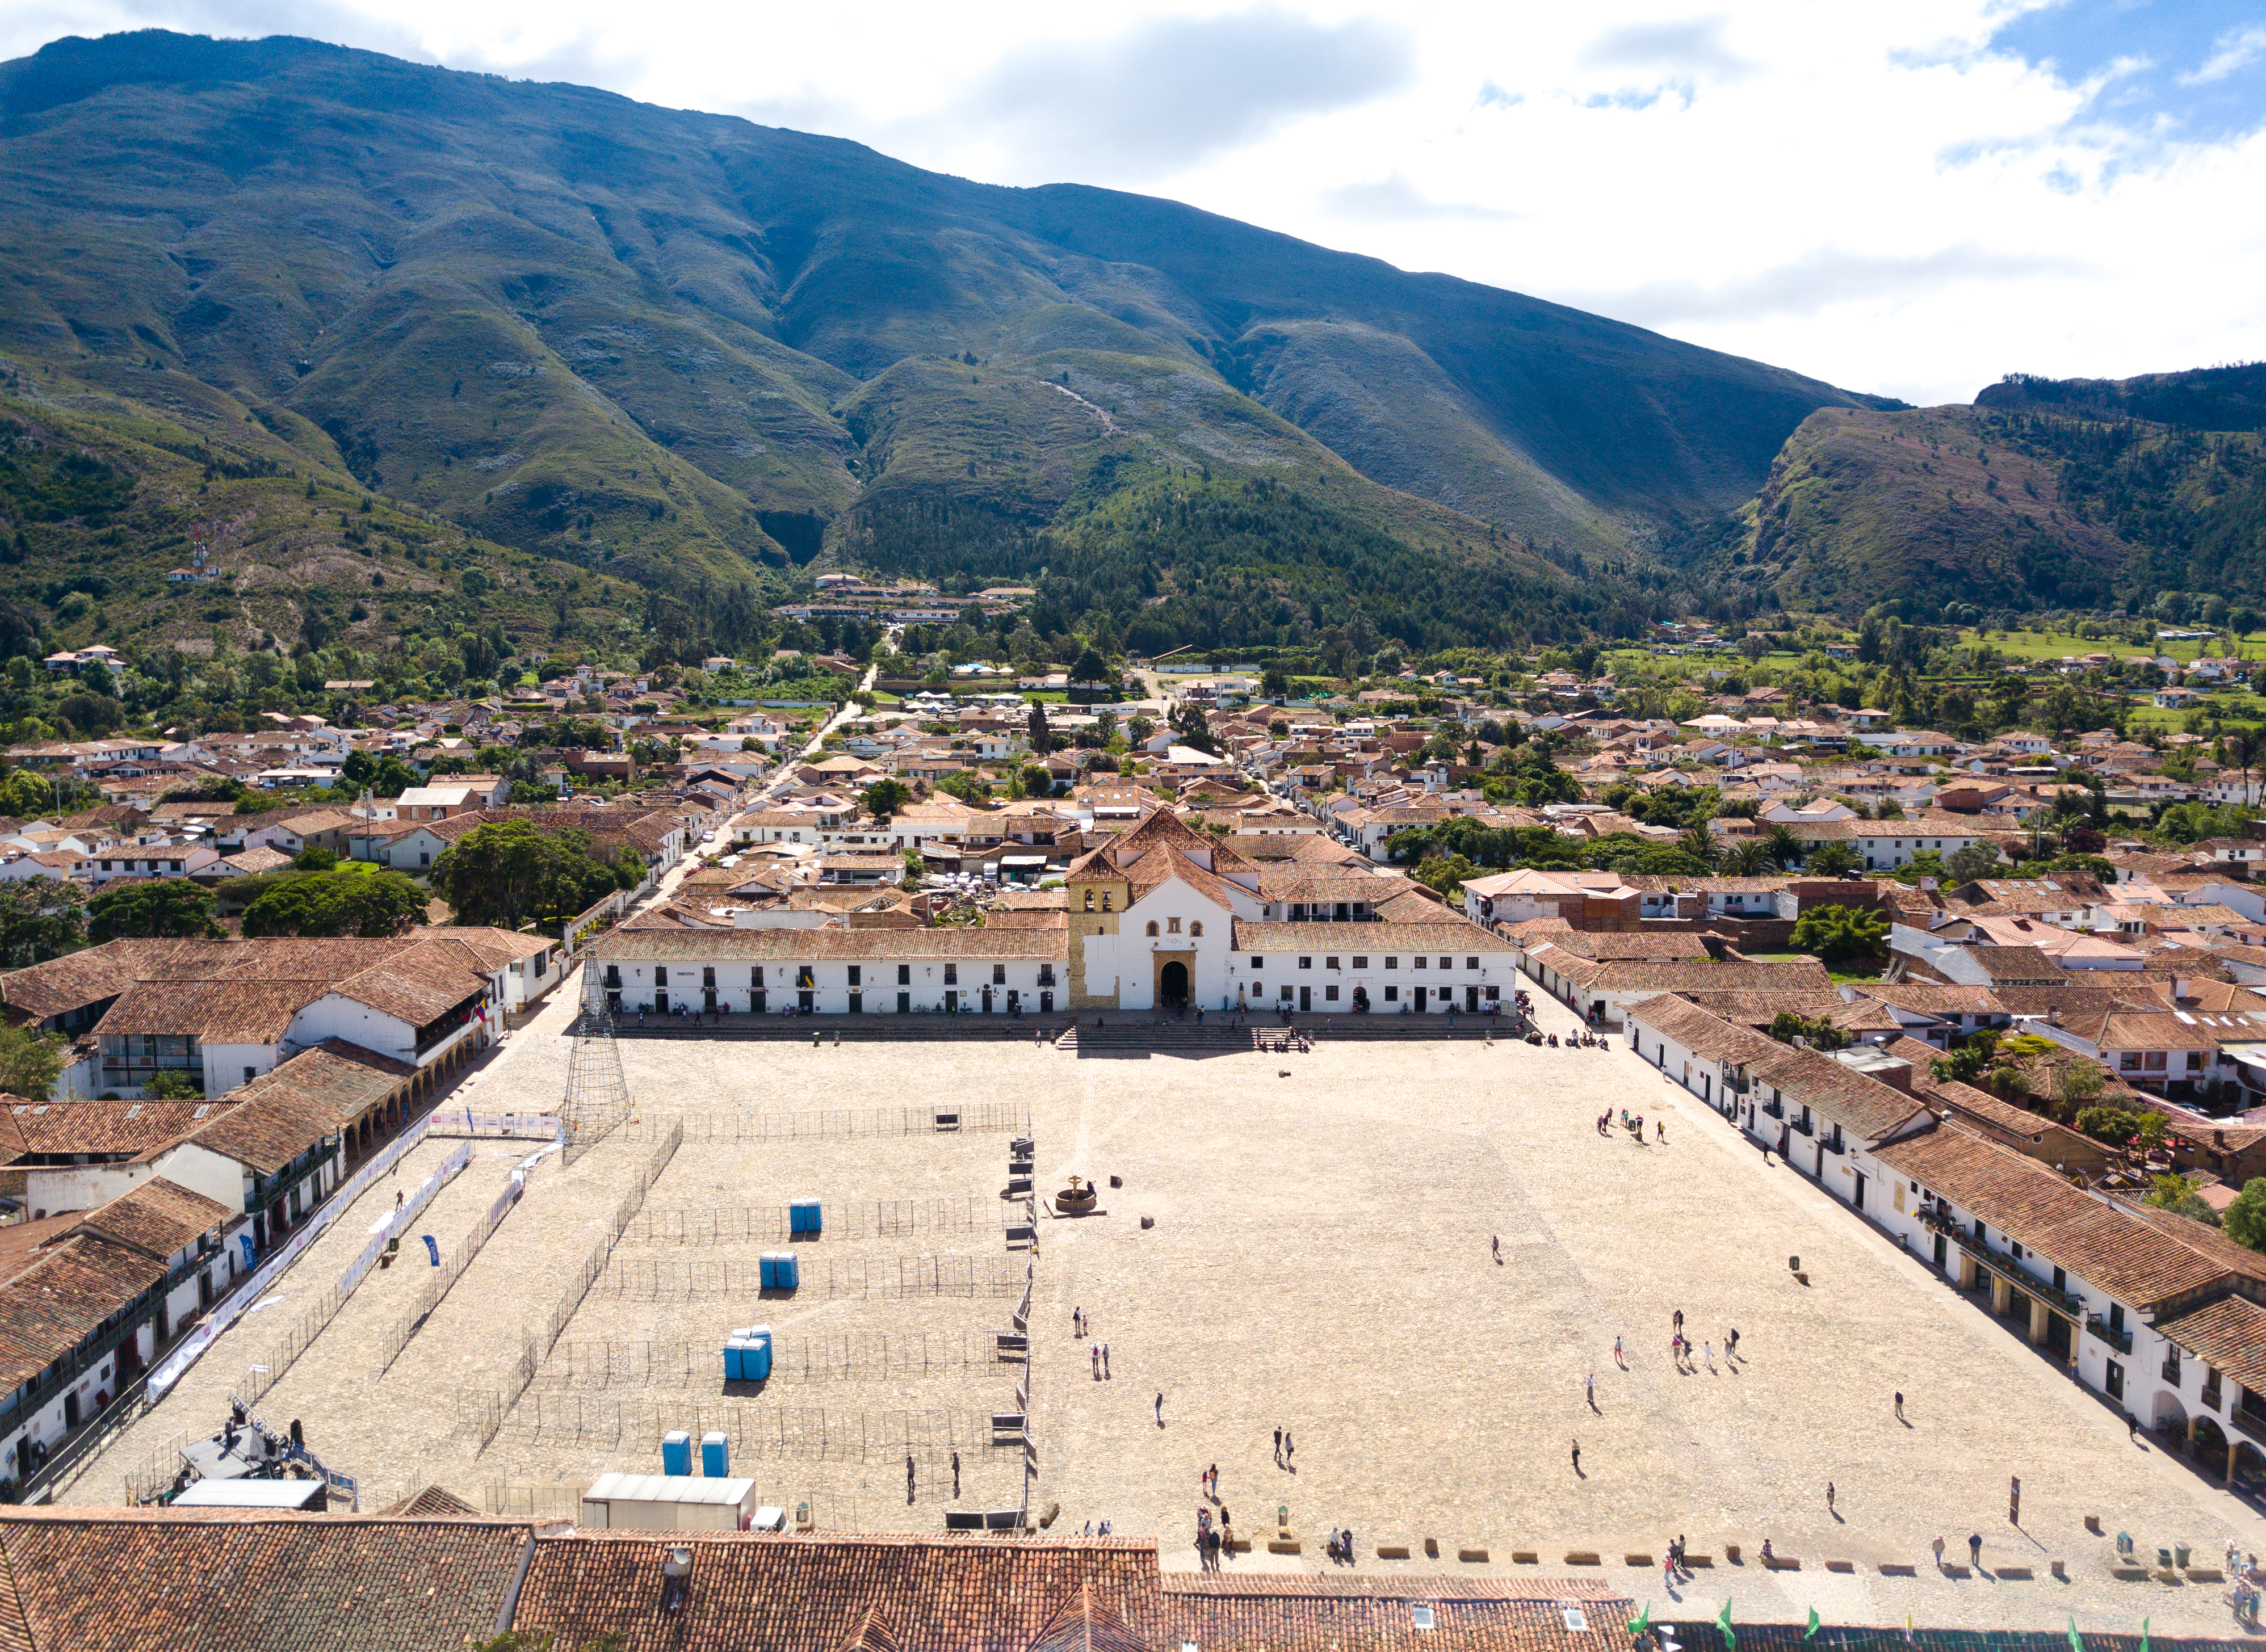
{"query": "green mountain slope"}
(2045, 494)
(683, 349)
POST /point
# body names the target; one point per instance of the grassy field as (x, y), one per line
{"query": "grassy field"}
(2035, 645)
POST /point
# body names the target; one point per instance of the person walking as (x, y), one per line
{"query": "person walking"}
(1829, 1497)
(1900, 1406)
(1104, 1362)
(1577, 1456)
(1618, 1360)
(909, 1476)
(1278, 1448)
(1160, 1407)
(1731, 1344)
(1498, 1250)
(1975, 1550)
(1710, 1348)
(1096, 1353)
(1679, 1321)
(1593, 1391)
(1289, 1450)
(955, 1473)
(1939, 1553)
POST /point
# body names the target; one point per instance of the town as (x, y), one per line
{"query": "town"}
(1025, 1073)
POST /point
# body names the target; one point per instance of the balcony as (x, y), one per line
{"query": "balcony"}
(2097, 1327)
(2172, 1371)
(2022, 1279)
(2248, 1422)
(1834, 1144)
(1775, 1109)
(1804, 1127)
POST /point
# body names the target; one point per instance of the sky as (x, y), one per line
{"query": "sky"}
(1912, 198)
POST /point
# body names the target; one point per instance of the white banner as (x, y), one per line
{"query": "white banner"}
(168, 1370)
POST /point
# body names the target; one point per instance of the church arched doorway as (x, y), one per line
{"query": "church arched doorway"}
(1173, 986)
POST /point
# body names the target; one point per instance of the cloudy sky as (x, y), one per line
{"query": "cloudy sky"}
(1912, 199)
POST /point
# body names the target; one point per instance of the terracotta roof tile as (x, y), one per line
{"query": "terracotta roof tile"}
(121, 1581)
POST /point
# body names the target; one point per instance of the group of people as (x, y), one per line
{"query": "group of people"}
(1633, 1123)
(1673, 1567)
(1340, 1546)
(1213, 1539)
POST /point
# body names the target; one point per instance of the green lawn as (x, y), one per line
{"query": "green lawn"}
(2034, 645)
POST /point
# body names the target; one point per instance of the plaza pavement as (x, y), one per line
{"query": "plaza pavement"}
(1321, 1261)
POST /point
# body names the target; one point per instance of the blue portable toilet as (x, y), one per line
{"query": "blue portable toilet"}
(803, 1217)
(756, 1355)
(770, 1269)
(790, 1271)
(676, 1453)
(714, 1450)
(733, 1363)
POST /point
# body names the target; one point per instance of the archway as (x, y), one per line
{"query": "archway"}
(1173, 986)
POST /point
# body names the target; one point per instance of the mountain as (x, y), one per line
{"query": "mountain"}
(2045, 494)
(699, 354)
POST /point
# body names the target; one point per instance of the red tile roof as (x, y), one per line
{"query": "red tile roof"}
(750, 1590)
(129, 1581)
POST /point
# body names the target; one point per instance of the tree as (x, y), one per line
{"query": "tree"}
(170, 1085)
(380, 777)
(1274, 685)
(2111, 1125)
(1832, 858)
(1446, 874)
(1838, 934)
(968, 786)
(2177, 1194)
(363, 902)
(1701, 844)
(915, 869)
(166, 909)
(1787, 1025)
(40, 917)
(1974, 861)
(1784, 849)
(1041, 738)
(1035, 780)
(507, 871)
(2245, 1218)
(24, 794)
(1089, 667)
(315, 857)
(885, 797)
(30, 1061)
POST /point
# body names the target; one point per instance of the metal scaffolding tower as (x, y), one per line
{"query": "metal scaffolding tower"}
(597, 1095)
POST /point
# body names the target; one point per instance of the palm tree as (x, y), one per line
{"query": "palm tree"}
(1701, 844)
(1783, 848)
(2242, 745)
(1832, 858)
(1749, 857)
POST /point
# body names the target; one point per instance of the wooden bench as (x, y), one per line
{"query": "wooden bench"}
(1392, 1550)
(1471, 1554)
(1583, 1557)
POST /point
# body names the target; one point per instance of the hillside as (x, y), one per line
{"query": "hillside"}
(2045, 493)
(683, 349)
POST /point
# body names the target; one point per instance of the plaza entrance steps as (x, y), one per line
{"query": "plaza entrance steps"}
(1186, 1038)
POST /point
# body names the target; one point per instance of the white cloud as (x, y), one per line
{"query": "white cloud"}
(1891, 198)
(2237, 49)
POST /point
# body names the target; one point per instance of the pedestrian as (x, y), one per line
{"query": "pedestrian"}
(1498, 1250)
(1680, 1319)
(1289, 1450)
(1593, 1391)
(1710, 1346)
(1975, 1550)
(1618, 1360)
(1939, 1555)
(1160, 1407)
(909, 1476)
(955, 1473)
(1097, 1362)
(1660, 1128)
(1104, 1362)
(1278, 1445)
(1731, 1345)
(1900, 1406)
(1829, 1497)
(1577, 1456)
